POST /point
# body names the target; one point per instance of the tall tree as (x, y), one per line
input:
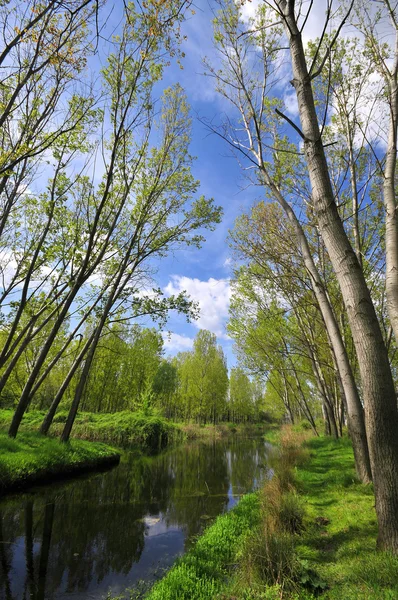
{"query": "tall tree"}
(246, 79)
(376, 378)
(203, 379)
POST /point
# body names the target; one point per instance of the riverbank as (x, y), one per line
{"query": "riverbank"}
(341, 528)
(193, 431)
(201, 572)
(137, 430)
(32, 458)
(124, 429)
(309, 532)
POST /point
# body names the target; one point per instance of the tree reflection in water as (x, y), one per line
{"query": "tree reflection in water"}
(111, 529)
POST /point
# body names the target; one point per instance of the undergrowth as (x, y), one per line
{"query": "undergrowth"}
(147, 431)
(125, 429)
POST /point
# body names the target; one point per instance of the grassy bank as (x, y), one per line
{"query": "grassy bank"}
(317, 535)
(200, 574)
(341, 528)
(32, 458)
(309, 533)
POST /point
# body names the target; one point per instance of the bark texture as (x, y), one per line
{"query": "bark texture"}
(391, 207)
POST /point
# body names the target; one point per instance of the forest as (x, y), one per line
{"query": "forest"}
(130, 373)
(98, 190)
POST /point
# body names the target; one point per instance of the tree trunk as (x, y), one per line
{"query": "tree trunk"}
(78, 392)
(26, 392)
(377, 382)
(86, 370)
(389, 193)
(48, 419)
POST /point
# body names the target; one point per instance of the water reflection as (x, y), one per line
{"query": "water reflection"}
(82, 538)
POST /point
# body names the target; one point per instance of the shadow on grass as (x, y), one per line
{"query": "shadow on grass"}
(342, 530)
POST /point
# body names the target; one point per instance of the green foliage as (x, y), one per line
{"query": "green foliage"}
(125, 363)
(203, 380)
(126, 429)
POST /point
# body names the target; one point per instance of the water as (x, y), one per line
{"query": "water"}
(102, 533)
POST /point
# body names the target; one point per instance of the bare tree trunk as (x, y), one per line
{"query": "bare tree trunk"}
(389, 193)
(377, 382)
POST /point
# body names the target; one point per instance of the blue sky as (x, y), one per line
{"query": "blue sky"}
(205, 273)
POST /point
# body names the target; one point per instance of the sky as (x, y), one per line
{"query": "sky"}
(205, 274)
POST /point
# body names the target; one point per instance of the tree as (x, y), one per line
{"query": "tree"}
(381, 416)
(266, 342)
(241, 396)
(245, 82)
(110, 230)
(376, 378)
(203, 379)
(384, 57)
(164, 387)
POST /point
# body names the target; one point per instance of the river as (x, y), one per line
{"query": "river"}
(102, 533)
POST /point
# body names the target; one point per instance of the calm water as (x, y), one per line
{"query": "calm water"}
(91, 535)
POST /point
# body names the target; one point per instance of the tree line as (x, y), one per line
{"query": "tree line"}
(315, 305)
(129, 372)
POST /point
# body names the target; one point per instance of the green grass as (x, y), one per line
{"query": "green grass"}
(200, 574)
(32, 458)
(333, 554)
(340, 537)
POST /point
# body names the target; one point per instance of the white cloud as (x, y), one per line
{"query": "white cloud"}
(249, 9)
(213, 297)
(173, 342)
(227, 262)
(291, 105)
